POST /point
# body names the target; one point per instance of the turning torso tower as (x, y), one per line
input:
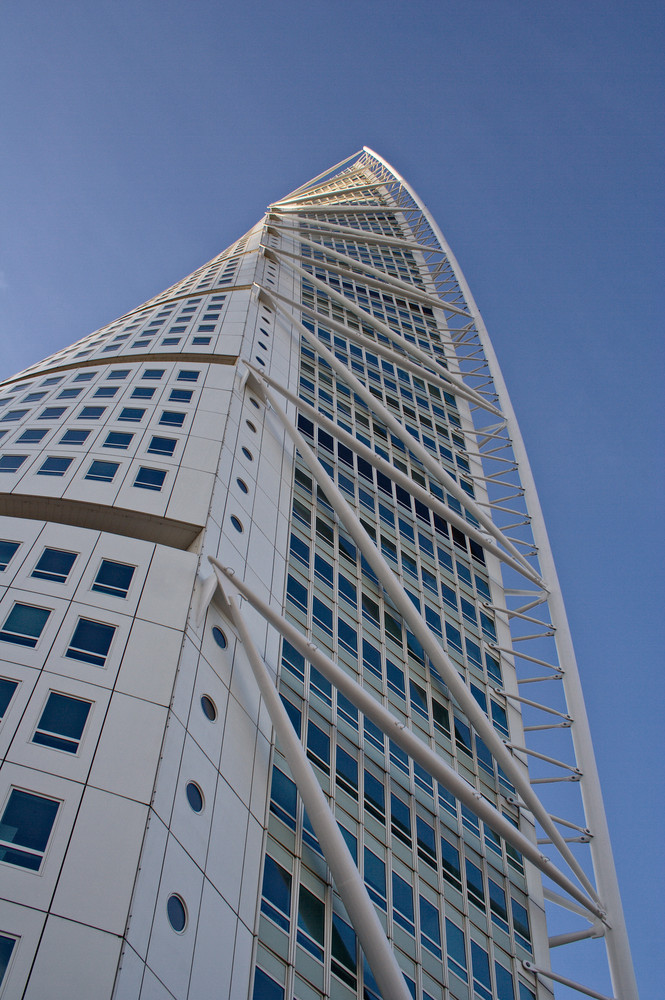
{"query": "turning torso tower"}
(289, 705)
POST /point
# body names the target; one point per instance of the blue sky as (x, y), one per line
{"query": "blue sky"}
(141, 139)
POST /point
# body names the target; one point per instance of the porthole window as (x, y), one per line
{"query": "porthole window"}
(254, 402)
(263, 346)
(237, 523)
(177, 913)
(260, 361)
(194, 796)
(247, 453)
(219, 636)
(251, 426)
(208, 707)
(242, 485)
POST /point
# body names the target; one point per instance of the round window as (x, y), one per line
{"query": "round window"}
(251, 426)
(247, 453)
(194, 796)
(242, 485)
(219, 637)
(237, 524)
(177, 913)
(209, 708)
(254, 402)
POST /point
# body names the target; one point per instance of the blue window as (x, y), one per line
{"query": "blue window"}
(82, 377)
(322, 615)
(375, 878)
(25, 829)
(102, 472)
(162, 446)
(283, 798)
(62, 723)
(296, 593)
(54, 565)
(375, 797)
(7, 688)
(52, 413)
(13, 415)
(131, 413)
(504, 983)
(24, 625)
(474, 884)
(74, 437)
(318, 747)
(32, 436)
(343, 962)
(265, 988)
(34, 397)
(182, 395)
(54, 466)
(113, 578)
(348, 638)
(118, 439)
(172, 419)
(90, 642)
(403, 904)
(143, 392)
(11, 463)
(456, 952)
(106, 392)
(155, 373)
(186, 375)
(150, 479)
(521, 924)
(118, 373)
(200, 341)
(91, 412)
(7, 551)
(69, 393)
(276, 892)
(430, 931)
(400, 821)
(347, 772)
(311, 922)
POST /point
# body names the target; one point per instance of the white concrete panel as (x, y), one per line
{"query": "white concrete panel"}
(147, 884)
(201, 452)
(191, 495)
(169, 769)
(26, 924)
(150, 662)
(208, 734)
(227, 843)
(215, 943)
(129, 747)
(59, 973)
(130, 975)
(152, 989)
(183, 691)
(190, 828)
(168, 589)
(27, 677)
(97, 877)
(238, 746)
(242, 960)
(251, 872)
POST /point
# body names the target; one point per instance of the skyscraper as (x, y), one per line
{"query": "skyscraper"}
(290, 705)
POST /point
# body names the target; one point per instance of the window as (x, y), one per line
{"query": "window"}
(54, 565)
(283, 798)
(7, 551)
(265, 988)
(176, 911)
(11, 463)
(6, 948)
(143, 392)
(181, 395)
(91, 642)
(24, 625)
(118, 439)
(343, 962)
(106, 392)
(194, 796)
(113, 578)
(153, 373)
(171, 418)
(276, 893)
(69, 393)
(12, 415)
(150, 479)
(91, 412)
(62, 723)
(185, 375)
(7, 688)
(430, 932)
(403, 904)
(118, 373)
(102, 472)
(74, 437)
(32, 436)
(54, 466)
(162, 446)
(311, 922)
(131, 413)
(52, 413)
(25, 829)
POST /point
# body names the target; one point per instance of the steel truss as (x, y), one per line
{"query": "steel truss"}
(507, 521)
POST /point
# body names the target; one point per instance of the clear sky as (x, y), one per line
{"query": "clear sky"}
(140, 139)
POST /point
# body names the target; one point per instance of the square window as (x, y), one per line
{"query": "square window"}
(150, 479)
(10, 463)
(24, 625)
(181, 395)
(32, 436)
(7, 688)
(102, 472)
(54, 466)
(91, 412)
(62, 723)
(25, 829)
(118, 373)
(53, 381)
(113, 578)
(170, 341)
(54, 565)
(171, 418)
(153, 373)
(131, 413)
(117, 439)
(187, 375)
(106, 392)
(84, 377)
(69, 393)
(91, 642)
(33, 397)
(199, 341)
(74, 437)
(52, 413)
(162, 446)
(143, 392)
(14, 415)
(7, 551)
